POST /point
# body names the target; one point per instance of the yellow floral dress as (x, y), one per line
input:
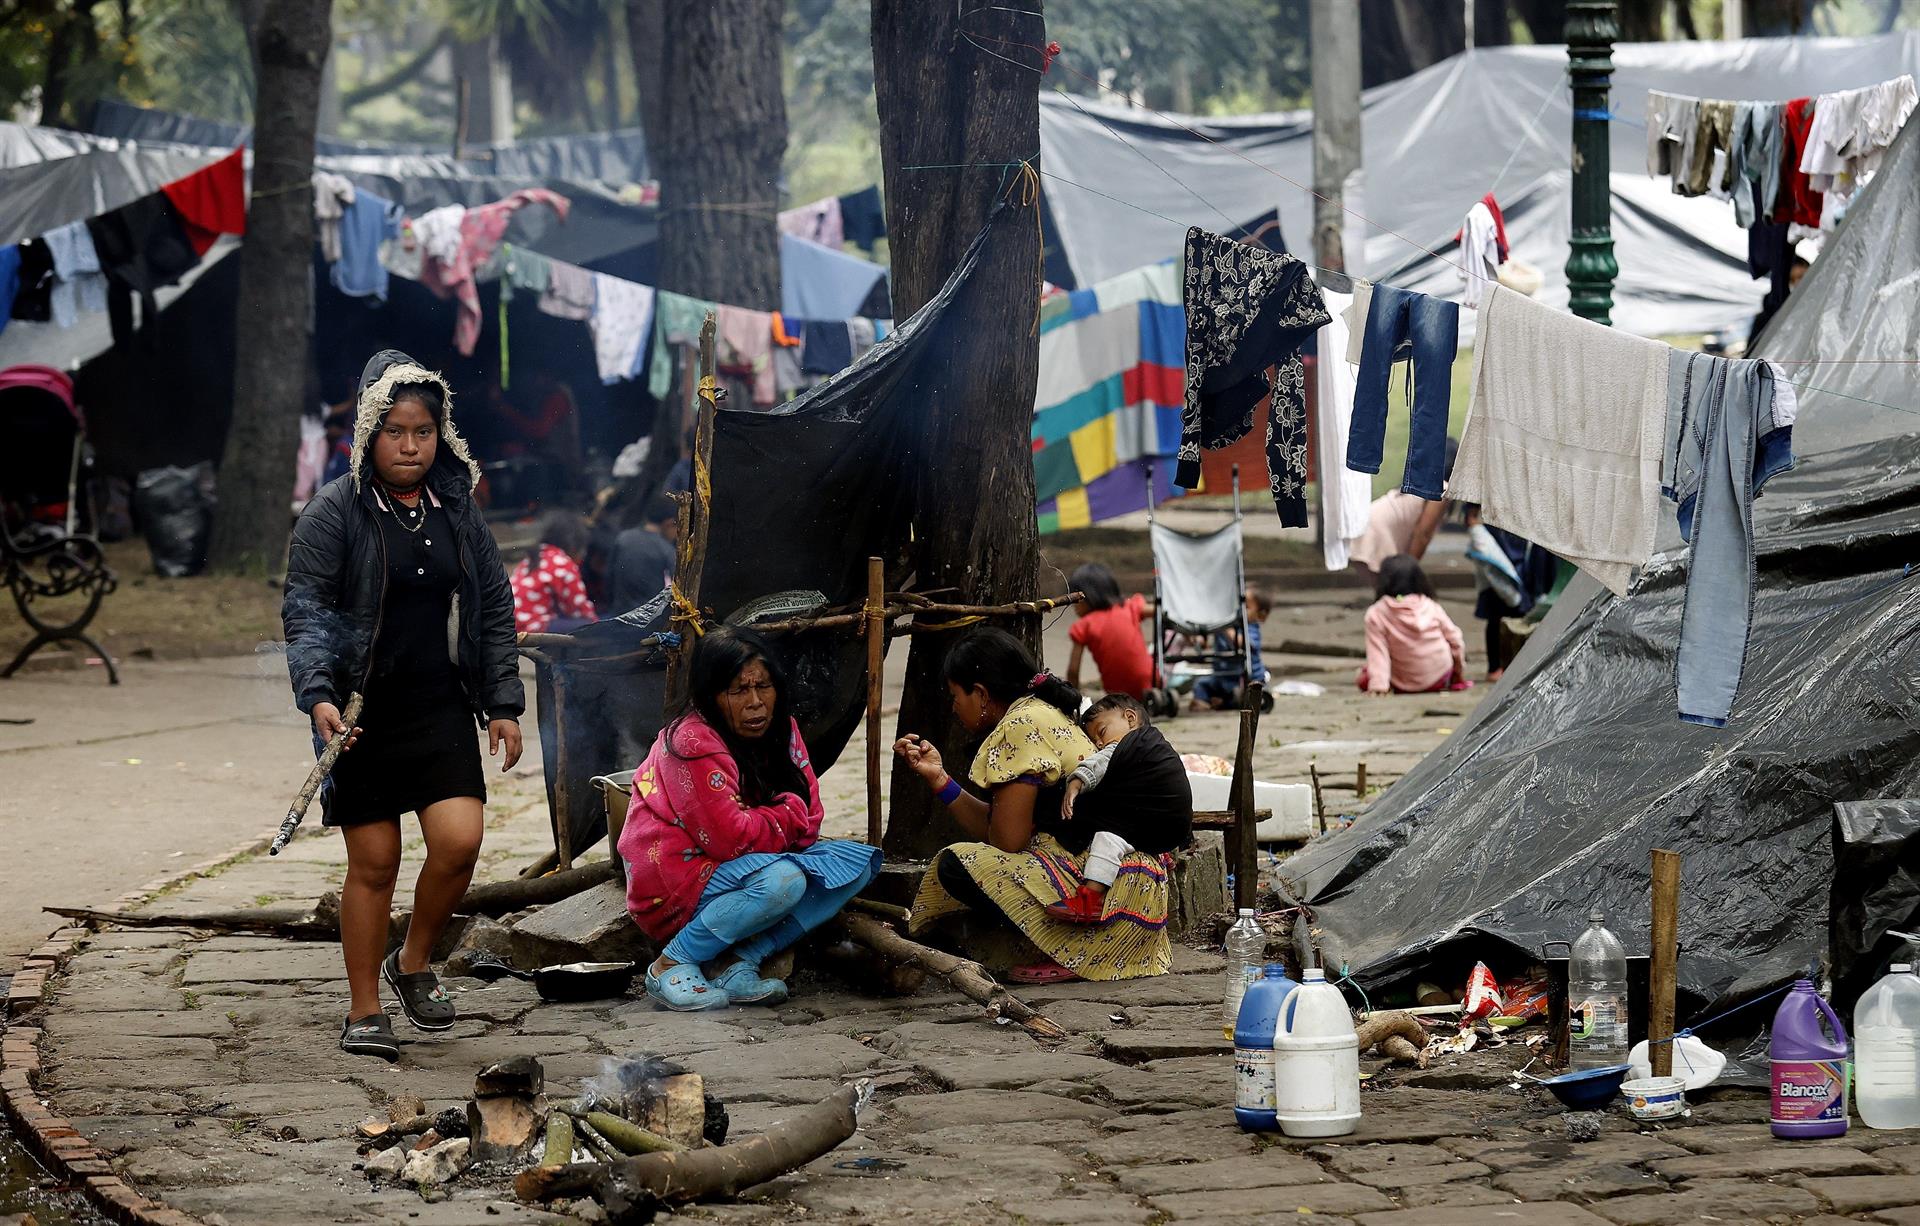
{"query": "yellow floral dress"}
(1035, 743)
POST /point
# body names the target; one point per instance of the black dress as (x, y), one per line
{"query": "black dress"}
(419, 743)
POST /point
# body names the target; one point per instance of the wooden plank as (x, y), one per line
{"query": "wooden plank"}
(1319, 799)
(1245, 841)
(562, 794)
(876, 665)
(694, 519)
(1666, 949)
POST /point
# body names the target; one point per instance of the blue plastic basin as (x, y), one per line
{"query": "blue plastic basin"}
(1588, 1090)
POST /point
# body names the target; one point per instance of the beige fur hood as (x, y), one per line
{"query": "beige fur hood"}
(385, 371)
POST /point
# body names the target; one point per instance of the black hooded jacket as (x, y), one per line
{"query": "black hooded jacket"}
(336, 570)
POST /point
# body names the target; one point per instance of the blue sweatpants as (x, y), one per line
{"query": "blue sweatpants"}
(770, 909)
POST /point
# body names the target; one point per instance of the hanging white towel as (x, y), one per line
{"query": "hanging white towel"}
(1479, 254)
(622, 323)
(1562, 443)
(1345, 496)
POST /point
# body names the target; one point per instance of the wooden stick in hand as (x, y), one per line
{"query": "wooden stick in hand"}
(321, 768)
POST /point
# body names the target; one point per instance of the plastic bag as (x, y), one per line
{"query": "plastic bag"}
(175, 509)
(1525, 997)
(1483, 995)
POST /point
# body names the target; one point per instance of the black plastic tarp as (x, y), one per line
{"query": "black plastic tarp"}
(803, 495)
(1549, 800)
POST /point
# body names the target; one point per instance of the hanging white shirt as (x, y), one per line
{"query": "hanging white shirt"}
(1344, 494)
(622, 323)
(1479, 253)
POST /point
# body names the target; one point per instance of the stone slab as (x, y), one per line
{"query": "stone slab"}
(1269, 1169)
(1770, 1162)
(1468, 1215)
(287, 964)
(987, 1107)
(1725, 1200)
(1402, 1177)
(1281, 1203)
(1860, 1193)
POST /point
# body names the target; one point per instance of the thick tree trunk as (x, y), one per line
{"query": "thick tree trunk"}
(944, 101)
(1400, 37)
(273, 335)
(646, 43)
(719, 150)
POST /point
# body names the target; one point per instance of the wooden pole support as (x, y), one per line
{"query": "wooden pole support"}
(1319, 799)
(562, 764)
(1664, 968)
(1360, 781)
(1246, 849)
(876, 666)
(694, 518)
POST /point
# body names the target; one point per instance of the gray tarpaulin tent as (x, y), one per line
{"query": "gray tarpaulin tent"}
(1436, 142)
(1548, 800)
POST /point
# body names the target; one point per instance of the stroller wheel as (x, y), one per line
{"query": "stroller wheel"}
(1162, 704)
(1266, 702)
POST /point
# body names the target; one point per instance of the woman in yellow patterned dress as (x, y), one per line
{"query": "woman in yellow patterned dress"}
(1028, 856)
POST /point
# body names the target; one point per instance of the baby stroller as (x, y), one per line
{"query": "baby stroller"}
(1199, 583)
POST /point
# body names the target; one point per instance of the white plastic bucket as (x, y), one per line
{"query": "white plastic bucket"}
(1316, 1062)
(1655, 1098)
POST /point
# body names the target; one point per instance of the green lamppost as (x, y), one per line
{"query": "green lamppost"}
(1592, 25)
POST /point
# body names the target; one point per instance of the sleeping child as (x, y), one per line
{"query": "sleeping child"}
(1134, 794)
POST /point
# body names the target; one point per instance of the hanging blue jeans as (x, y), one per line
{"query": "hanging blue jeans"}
(1722, 445)
(1431, 326)
(761, 912)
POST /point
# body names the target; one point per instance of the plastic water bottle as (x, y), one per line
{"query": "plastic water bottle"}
(1886, 1050)
(1246, 952)
(1253, 1048)
(1810, 1073)
(1597, 998)
(1316, 1062)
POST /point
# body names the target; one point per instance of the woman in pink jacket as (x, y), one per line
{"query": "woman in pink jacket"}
(1413, 647)
(722, 843)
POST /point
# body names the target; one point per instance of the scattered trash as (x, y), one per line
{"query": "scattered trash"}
(871, 1164)
(1298, 689)
(1693, 1061)
(1655, 1098)
(1483, 994)
(1588, 1089)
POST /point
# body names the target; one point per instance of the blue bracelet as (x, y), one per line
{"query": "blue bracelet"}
(951, 792)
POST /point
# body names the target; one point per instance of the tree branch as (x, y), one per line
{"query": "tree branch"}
(404, 72)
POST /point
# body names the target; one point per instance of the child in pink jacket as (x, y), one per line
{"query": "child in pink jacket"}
(1413, 647)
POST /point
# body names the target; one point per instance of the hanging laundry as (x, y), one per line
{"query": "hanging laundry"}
(622, 319)
(1344, 494)
(1723, 442)
(569, 292)
(1501, 250)
(481, 229)
(1356, 317)
(332, 194)
(1562, 443)
(1479, 253)
(524, 271)
(436, 233)
(743, 349)
(1262, 231)
(9, 281)
(1800, 203)
(860, 334)
(676, 321)
(212, 201)
(1770, 255)
(827, 347)
(863, 218)
(141, 247)
(33, 300)
(1755, 161)
(78, 284)
(1431, 326)
(367, 224)
(1249, 311)
(818, 222)
(787, 344)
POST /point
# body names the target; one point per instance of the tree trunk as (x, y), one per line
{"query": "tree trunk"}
(1546, 19)
(1400, 37)
(646, 42)
(943, 100)
(273, 335)
(718, 153)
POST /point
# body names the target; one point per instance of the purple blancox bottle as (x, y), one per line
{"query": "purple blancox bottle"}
(1810, 1069)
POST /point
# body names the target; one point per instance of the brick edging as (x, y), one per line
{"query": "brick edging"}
(56, 1143)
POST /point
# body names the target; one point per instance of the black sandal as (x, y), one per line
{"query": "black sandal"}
(422, 998)
(372, 1035)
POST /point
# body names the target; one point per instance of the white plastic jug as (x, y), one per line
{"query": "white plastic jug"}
(1886, 1051)
(1316, 1062)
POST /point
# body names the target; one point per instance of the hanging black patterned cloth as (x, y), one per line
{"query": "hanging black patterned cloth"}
(1249, 310)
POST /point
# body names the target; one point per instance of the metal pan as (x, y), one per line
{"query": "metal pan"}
(584, 980)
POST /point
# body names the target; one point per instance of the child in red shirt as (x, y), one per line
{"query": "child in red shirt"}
(1109, 627)
(549, 594)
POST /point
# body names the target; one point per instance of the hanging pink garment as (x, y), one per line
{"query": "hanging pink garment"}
(480, 233)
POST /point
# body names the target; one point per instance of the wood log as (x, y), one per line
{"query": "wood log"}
(701, 1174)
(559, 1150)
(1665, 946)
(322, 921)
(594, 1142)
(966, 976)
(673, 1108)
(1382, 1026)
(1398, 1051)
(630, 1138)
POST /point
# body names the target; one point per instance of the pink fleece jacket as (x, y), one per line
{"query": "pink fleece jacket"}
(687, 818)
(1411, 644)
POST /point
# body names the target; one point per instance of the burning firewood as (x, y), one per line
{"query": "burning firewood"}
(631, 1188)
